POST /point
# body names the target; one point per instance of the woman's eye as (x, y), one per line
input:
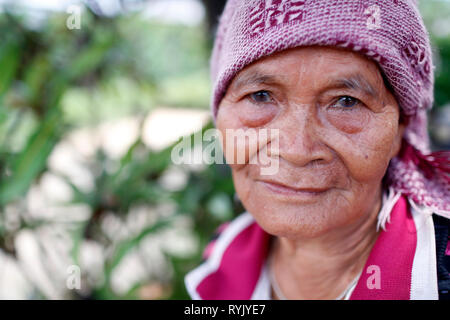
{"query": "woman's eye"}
(260, 96)
(346, 102)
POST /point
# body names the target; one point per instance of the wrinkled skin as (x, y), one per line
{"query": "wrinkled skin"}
(336, 139)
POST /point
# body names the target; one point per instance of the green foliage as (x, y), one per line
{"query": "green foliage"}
(442, 81)
(31, 161)
(53, 80)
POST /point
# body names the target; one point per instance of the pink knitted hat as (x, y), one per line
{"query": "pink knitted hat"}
(390, 32)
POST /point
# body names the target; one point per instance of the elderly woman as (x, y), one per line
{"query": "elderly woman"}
(358, 207)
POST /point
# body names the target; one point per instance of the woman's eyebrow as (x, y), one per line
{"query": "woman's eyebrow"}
(253, 78)
(354, 82)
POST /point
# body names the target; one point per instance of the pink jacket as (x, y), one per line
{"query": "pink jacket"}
(401, 265)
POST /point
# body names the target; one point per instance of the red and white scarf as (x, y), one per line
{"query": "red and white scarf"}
(404, 254)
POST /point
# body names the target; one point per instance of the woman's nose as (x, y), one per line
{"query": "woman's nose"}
(302, 139)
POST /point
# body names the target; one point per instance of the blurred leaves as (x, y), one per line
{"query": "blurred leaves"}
(54, 80)
(442, 80)
(9, 62)
(31, 161)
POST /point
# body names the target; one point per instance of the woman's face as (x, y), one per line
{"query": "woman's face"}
(338, 129)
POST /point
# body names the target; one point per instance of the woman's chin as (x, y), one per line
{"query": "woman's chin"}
(294, 221)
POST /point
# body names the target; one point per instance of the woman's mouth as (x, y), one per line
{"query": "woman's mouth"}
(285, 190)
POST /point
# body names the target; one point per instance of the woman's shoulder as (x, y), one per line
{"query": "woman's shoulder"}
(226, 232)
(233, 261)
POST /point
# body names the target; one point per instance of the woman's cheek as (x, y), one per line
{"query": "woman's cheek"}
(366, 154)
(236, 150)
(362, 140)
(244, 146)
(240, 125)
(253, 116)
(349, 121)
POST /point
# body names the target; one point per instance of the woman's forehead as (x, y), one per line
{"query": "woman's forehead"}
(301, 59)
(333, 66)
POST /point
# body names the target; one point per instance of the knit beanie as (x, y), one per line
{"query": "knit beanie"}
(390, 32)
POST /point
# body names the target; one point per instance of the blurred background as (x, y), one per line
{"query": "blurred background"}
(94, 95)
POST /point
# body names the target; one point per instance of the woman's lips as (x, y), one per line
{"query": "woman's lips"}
(283, 189)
